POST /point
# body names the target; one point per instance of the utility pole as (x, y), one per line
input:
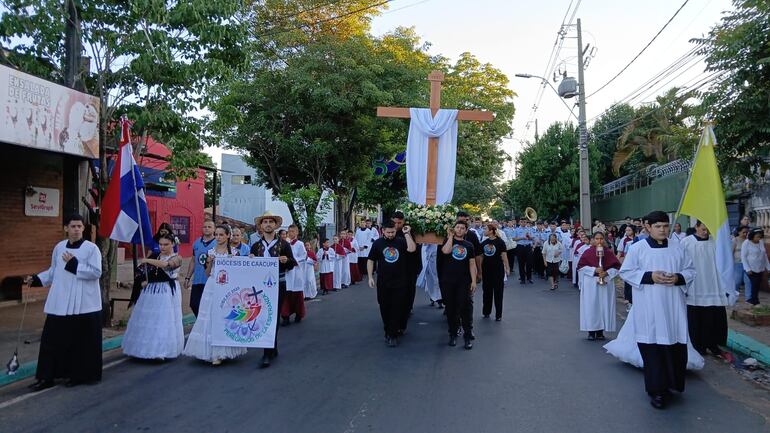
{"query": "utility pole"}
(72, 47)
(585, 184)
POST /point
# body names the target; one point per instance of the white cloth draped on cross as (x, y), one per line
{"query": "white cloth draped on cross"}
(422, 126)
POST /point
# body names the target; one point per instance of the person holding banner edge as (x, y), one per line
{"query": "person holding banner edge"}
(270, 245)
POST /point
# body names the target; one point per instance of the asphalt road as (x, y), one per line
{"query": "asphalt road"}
(532, 372)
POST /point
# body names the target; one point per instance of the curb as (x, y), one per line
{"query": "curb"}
(748, 346)
(28, 369)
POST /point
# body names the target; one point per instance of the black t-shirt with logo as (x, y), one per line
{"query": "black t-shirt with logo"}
(391, 257)
(455, 265)
(492, 250)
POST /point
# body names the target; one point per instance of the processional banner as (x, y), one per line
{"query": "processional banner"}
(245, 305)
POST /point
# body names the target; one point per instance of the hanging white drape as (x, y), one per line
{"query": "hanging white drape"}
(422, 126)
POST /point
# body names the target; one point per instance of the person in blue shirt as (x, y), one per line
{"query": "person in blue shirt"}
(196, 271)
(523, 235)
(236, 242)
(509, 231)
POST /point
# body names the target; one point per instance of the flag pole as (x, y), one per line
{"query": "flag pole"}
(136, 201)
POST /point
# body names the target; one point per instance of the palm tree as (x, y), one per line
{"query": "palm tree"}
(662, 131)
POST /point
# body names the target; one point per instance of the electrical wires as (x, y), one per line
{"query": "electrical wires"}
(640, 52)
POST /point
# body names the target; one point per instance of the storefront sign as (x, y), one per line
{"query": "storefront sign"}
(181, 227)
(41, 202)
(40, 114)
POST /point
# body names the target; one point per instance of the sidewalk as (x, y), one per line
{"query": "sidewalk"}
(29, 342)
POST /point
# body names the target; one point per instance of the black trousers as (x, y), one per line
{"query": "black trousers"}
(707, 327)
(392, 310)
(272, 353)
(664, 367)
(524, 255)
(511, 259)
(493, 291)
(459, 306)
(195, 297)
(628, 293)
(71, 348)
(755, 278)
(537, 264)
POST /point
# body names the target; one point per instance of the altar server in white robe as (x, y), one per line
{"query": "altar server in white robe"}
(659, 274)
(310, 267)
(365, 237)
(340, 264)
(295, 280)
(71, 344)
(327, 260)
(579, 247)
(706, 298)
(597, 270)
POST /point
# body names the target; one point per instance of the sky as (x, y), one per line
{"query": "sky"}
(519, 36)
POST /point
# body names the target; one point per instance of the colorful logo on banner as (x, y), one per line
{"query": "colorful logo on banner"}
(390, 254)
(459, 252)
(489, 250)
(251, 314)
(246, 294)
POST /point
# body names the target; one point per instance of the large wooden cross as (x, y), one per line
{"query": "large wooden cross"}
(435, 78)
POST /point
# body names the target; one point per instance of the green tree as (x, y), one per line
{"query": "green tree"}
(604, 136)
(549, 173)
(738, 49)
(479, 192)
(660, 132)
(151, 60)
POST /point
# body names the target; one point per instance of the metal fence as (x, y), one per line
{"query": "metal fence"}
(644, 177)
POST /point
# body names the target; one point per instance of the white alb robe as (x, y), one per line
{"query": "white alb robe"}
(597, 301)
(705, 290)
(326, 265)
(340, 266)
(76, 293)
(578, 253)
(295, 277)
(625, 349)
(353, 255)
(364, 238)
(310, 288)
(660, 311)
(428, 278)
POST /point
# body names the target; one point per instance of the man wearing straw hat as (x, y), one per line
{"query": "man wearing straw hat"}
(270, 245)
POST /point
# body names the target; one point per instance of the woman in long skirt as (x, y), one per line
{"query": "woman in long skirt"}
(199, 343)
(155, 327)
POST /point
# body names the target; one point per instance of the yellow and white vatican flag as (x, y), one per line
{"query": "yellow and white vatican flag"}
(704, 199)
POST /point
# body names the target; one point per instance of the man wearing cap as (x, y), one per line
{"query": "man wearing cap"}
(270, 245)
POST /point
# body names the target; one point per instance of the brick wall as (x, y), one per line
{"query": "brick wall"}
(28, 241)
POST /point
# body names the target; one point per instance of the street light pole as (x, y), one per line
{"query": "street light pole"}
(585, 184)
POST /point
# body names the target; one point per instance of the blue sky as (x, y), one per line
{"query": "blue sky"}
(517, 36)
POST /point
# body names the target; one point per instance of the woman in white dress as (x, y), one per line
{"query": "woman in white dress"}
(155, 327)
(199, 343)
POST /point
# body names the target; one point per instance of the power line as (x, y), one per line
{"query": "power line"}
(676, 65)
(553, 57)
(702, 81)
(640, 52)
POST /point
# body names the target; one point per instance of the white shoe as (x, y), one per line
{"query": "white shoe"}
(216, 362)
